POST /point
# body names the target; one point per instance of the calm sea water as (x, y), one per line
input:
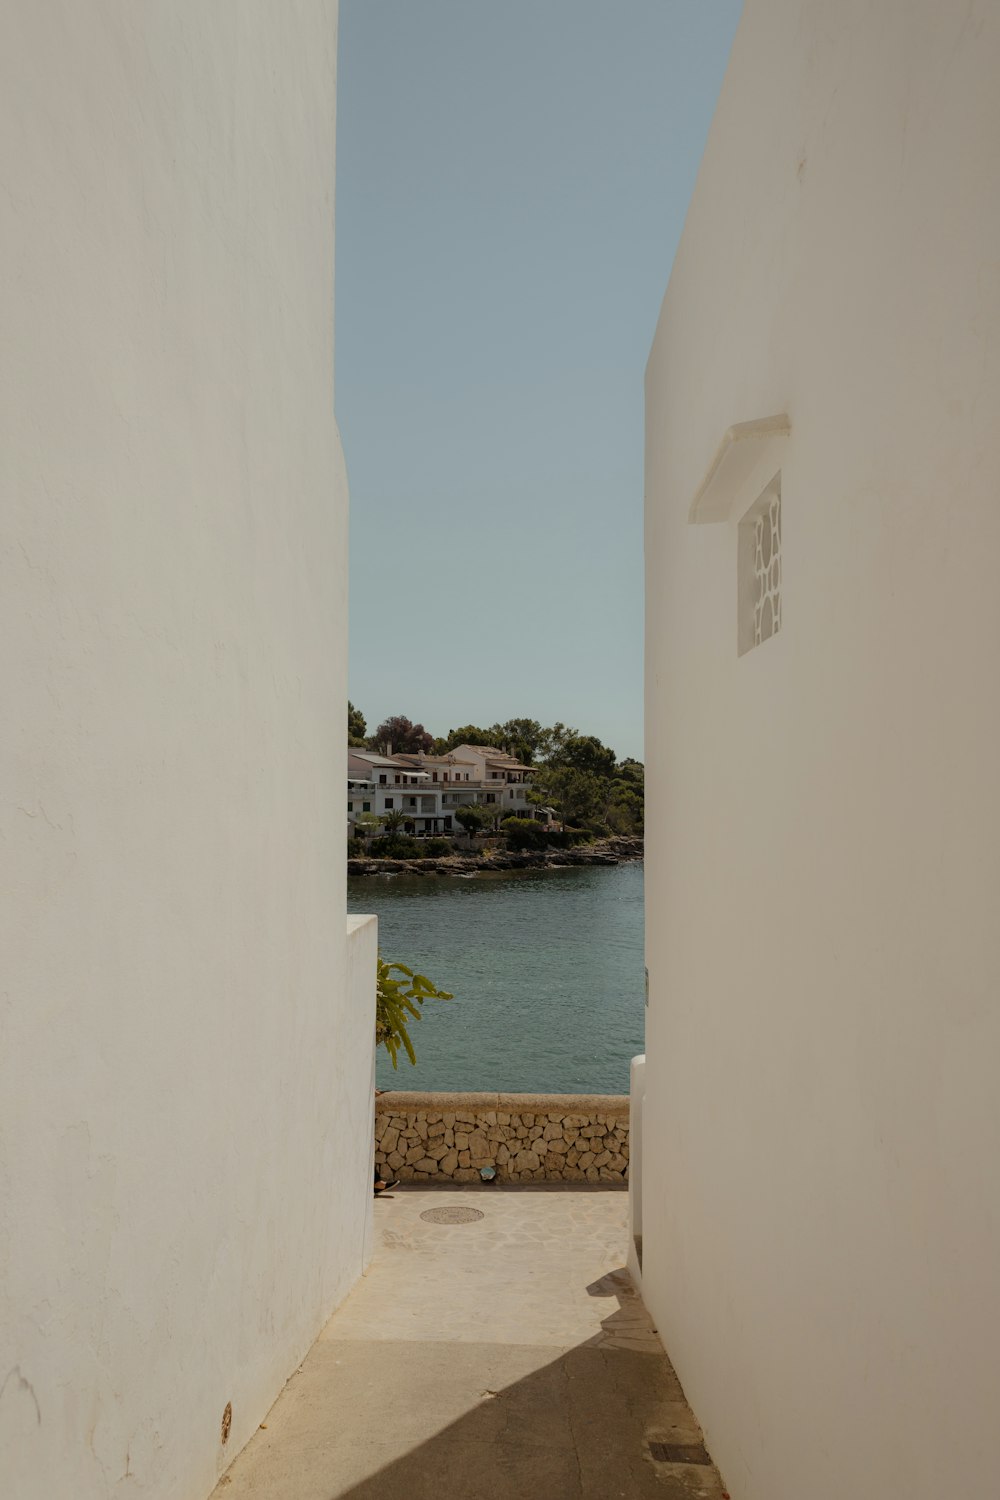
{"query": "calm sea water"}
(546, 968)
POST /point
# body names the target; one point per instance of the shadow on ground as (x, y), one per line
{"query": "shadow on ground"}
(508, 1422)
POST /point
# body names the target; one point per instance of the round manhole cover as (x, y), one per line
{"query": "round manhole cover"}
(451, 1215)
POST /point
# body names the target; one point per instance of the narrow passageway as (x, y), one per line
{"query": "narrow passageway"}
(495, 1350)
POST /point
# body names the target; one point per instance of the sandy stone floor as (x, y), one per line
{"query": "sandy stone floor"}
(498, 1359)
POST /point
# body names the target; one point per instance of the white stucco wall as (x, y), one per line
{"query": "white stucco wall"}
(185, 1077)
(821, 1196)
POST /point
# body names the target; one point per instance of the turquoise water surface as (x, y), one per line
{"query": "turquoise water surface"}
(546, 969)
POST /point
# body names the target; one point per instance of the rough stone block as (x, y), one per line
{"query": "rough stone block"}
(461, 1141)
(395, 1160)
(414, 1154)
(381, 1126)
(448, 1163)
(552, 1131)
(389, 1139)
(479, 1146)
(602, 1160)
(427, 1164)
(526, 1161)
(503, 1155)
(434, 1118)
(449, 1119)
(464, 1159)
(592, 1174)
(466, 1174)
(586, 1160)
(465, 1116)
(434, 1128)
(572, 1158)
(420, 1126)
(438, 1149)
(559, 1146)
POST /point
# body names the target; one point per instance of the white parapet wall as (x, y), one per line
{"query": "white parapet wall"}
(821, 1127)
(187, 1034)
(637, 1090)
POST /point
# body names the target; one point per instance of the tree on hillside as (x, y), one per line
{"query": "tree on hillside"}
(522, 738)
(553, 739)
(468, 734)
(405, 737)
(589, 789)
(355, 726)
(584, 752)
(578, 796)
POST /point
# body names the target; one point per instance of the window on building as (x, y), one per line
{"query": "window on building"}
(350, 807)
(366, 807)
(388, 802)
(381, 781)
(413, 801)
(434, 776)
(759, 570)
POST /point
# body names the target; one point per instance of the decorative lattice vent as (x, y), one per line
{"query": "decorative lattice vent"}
(759, 569)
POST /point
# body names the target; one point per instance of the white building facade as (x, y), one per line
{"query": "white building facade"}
(429, 789)
(186, 1058)
(820, 1199)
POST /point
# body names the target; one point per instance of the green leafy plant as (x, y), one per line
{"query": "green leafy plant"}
(475, 818)
(523, 833)
(397, 1005)
(435, 848)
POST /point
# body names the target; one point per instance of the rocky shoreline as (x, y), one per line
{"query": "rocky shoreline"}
(607, 852)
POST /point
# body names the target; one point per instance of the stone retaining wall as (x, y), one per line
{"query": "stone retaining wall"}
(525, 1137)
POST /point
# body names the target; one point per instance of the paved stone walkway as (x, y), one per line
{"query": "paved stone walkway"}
(501, 1359)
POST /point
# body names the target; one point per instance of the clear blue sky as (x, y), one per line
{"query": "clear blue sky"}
(513, 177)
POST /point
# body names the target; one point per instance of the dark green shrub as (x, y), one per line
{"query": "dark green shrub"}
(524, 833)
(356, 848)
(435, 848)
(394, 846)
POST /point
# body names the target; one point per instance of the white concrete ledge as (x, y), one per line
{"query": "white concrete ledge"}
(745, 449)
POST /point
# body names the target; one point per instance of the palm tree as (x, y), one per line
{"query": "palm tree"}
(393, 821)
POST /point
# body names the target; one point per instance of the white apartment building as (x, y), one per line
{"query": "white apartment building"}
(428, 789)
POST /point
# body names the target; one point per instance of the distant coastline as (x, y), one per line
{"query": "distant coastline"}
(612, 851)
